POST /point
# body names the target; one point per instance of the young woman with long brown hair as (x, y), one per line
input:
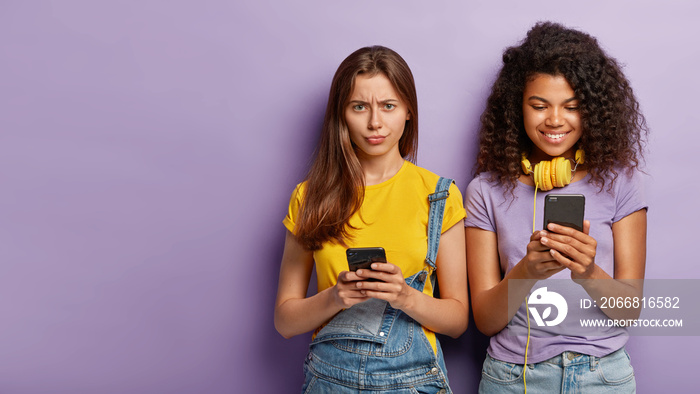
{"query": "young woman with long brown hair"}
(363, 190)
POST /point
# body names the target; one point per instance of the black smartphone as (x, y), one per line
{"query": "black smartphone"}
(564, 209)
(362, 258)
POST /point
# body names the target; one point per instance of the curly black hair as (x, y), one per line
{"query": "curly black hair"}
(614, 129)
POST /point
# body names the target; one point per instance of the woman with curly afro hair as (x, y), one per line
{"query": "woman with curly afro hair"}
(561, 117)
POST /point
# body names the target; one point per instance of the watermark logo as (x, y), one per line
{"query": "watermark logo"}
(543, 297)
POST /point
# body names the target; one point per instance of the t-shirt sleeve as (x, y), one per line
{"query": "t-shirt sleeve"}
(477, 209)
(293, 212)
(629, 196)
(454, 210)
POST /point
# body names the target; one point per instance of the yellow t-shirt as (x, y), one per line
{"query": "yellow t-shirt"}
(395, 214)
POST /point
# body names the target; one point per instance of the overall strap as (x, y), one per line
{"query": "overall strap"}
(437, 209)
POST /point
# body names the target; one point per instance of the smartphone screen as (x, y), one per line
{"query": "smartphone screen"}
(564, 209)
(362, 258)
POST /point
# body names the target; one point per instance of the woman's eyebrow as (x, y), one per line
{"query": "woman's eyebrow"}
(358, 101)
(547, 101)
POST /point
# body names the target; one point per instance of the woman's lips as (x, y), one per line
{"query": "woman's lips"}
(376, 139)
(554, 137)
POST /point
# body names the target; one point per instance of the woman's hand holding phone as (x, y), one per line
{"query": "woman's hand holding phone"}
(373, 277)
(390, 285)
(345, 292)
(383, 280)
(539, 263)
(566, 234)
(571, 248)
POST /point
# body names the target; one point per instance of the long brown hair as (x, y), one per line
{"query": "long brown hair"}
(335, 182)
(614, 128)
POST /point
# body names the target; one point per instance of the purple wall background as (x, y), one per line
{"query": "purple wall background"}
(148, 149)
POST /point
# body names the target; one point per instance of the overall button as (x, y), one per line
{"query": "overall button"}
(433, 371)
(381, 334)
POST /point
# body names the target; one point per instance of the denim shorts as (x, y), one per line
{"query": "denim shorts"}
(568, 372)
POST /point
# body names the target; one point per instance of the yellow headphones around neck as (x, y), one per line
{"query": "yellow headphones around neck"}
(555, 173)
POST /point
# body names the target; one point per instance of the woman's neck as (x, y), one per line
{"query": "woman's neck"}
(381, 168)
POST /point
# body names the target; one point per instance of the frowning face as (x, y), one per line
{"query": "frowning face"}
(376, 116)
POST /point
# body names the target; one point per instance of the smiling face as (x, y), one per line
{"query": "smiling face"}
(551, 117)
(376, 117)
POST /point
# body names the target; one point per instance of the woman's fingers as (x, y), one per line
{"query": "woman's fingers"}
(385, 272)
(390, 285)
(573, 249)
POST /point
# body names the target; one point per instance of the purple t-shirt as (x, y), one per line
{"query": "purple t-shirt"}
(490, 207)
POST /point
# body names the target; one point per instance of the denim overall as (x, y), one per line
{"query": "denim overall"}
(374, 348)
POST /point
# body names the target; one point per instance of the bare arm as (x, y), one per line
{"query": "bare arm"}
(493, 302)
(448, 314)
(295, 313)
